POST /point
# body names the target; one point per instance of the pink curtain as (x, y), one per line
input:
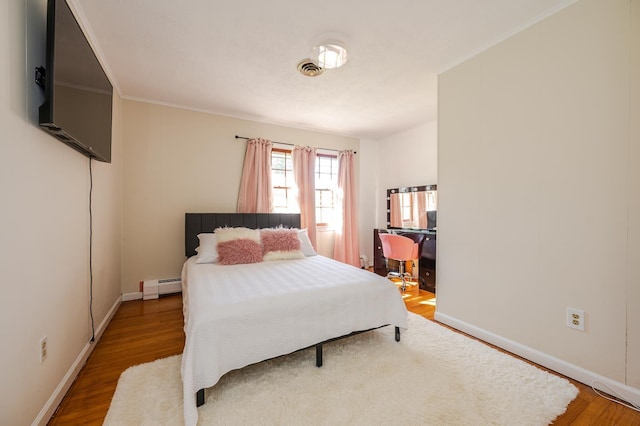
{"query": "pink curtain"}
(346, 247)
(396, 210)
(304, 173)
(256, 192)
(421, 207)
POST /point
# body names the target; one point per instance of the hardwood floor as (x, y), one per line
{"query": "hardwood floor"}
(139, 332)
(144, 331)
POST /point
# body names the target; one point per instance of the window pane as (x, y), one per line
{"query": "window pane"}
(321, 216)
(328, 199)
(323, 199)
(278, 178)
(324, 182)
(325, 167)
(289, 177)
(280, 197)
(277, 160)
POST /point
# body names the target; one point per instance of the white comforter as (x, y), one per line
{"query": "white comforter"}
(241, 314)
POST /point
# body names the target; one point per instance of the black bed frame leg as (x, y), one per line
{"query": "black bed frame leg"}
(200, 398)
(319, 355)
(397, 334)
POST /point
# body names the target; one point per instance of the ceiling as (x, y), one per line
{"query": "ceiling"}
(238, 58)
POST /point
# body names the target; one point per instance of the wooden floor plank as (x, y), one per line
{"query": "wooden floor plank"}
(143, 331)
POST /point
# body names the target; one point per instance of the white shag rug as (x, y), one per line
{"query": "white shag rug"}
(434, 376)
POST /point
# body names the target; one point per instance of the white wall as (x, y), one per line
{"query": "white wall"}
(44, 187)
(633, 189)
(178, 161)
(535, 188)
(407, 158)
(370, 195)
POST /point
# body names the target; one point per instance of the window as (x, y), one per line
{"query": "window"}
(326, 185)
(406, 205)
(284, 184)
(282, 180)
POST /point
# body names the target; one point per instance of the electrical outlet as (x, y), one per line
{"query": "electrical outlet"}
(43, 349)
(575, 319)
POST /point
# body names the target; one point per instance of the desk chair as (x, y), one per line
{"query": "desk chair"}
(399, 248)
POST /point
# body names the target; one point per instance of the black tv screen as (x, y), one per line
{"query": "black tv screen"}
(78, 94)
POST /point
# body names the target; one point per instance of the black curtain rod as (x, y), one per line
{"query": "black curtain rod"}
(284, 143)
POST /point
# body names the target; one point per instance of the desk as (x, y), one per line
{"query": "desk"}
(427, 261)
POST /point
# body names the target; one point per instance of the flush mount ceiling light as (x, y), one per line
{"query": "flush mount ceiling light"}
(329, 55)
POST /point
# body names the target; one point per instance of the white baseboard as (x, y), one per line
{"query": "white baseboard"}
(138, 295)
(131, 296)
(568, 369)
(61, 390)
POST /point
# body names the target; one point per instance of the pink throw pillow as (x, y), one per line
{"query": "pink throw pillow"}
(280, 244)
(239, 251)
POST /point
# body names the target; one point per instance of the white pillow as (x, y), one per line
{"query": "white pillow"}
(208, 249)
(305, 243)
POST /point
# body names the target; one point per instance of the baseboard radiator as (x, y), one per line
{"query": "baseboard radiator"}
(152, 289)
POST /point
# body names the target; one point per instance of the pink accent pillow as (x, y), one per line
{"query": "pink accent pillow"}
(242, 250)
(238, 245)
(280, 244)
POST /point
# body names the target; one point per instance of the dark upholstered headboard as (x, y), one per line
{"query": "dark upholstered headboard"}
(196, 223)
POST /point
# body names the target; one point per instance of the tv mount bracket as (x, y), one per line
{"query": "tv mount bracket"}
(41, 76)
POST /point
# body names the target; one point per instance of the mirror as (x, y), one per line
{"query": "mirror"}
(412, 207)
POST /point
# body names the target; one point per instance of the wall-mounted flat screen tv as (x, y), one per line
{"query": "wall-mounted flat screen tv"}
(78, 94)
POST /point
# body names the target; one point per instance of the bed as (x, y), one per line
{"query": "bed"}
(237, 315)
